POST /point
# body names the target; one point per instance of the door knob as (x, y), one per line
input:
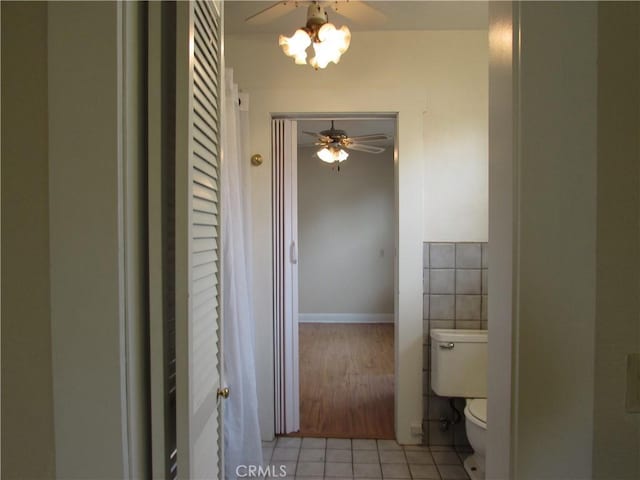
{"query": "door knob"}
(223, 392)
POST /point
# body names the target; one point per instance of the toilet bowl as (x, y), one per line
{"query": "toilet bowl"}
(475, 414)
(459, 369)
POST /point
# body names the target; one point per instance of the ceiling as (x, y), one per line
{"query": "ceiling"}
(401, 15)
(353, 127)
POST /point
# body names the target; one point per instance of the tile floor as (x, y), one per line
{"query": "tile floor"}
(337, 459)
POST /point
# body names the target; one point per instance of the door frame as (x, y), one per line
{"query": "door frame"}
(504, 54)
(285, 222)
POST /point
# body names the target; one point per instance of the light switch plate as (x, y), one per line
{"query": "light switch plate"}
(633, 383)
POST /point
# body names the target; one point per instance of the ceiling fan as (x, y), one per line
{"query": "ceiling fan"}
(329, 42)
(333, 142)
(355, 10)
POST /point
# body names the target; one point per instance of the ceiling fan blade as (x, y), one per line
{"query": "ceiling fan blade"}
(365, 148)
(359, 12)
(321, 138)
(370, 138)
(272, 12)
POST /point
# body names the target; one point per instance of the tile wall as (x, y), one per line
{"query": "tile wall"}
(454, 296)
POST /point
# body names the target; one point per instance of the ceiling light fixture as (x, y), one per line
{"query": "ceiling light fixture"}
(329, 42)
(332, 154)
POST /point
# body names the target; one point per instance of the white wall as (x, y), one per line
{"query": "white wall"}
(346, 234)
(97, 300)
(432, 73)
(616, 443)
(27, 395)
(573, 238)
(456, 167)
(556, 275)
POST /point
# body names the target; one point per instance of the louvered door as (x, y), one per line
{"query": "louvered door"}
(198, 332)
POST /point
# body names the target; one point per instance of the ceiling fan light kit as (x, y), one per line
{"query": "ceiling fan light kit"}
(332, 154)
(334, 142)
(329, 42)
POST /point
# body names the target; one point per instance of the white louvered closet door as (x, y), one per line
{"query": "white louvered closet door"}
(198, 290)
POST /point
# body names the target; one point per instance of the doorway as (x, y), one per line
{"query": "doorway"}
(335, 232)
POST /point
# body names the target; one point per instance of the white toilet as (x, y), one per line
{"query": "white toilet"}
(459, 369)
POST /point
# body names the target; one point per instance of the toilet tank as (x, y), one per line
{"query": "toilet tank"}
(459, 363)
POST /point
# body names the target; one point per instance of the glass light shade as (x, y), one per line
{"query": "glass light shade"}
(296, 45)
(331, 155)
(340, 39)
(325, 53)
(331, 44)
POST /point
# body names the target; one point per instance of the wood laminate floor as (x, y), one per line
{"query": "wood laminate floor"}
(346, 380)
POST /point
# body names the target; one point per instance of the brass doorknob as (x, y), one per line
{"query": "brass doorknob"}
(223, 392)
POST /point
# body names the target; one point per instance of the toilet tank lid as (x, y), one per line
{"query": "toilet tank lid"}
(451, 335)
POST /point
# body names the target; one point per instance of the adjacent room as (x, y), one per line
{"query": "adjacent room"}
(346, 220)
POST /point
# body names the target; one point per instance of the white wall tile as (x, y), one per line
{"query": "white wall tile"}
(468, 324)
(425, 280)
(425, 307)
(442, 281)
(468, 307)
(425, 255)
(434, 324)
(468, 282)
(441, 307)
(485, 281)
(468, 255)
(485, 255)
(485, 309)
(442, 255)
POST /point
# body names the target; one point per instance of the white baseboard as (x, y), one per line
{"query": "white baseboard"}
(345, 318)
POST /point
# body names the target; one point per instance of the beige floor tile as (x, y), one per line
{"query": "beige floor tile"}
(310, 469)
(339, 443)
(446, 458)
(392, 456)
(452, 472)
(395, 470)
(284, 454)
(288, 442)
(416, 448)
(281, 469)
(341, 456)
(312, 455)
(422, 457)
(338, 470)
(363, 444)
(367, 470)
(388, 445)
(314, 443)
(266, 453)
(424, 471)
(366, 456)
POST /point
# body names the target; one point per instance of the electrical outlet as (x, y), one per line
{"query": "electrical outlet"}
(633, 383)
(416, 429)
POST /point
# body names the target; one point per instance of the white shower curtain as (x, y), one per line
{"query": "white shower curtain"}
(243, 444)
